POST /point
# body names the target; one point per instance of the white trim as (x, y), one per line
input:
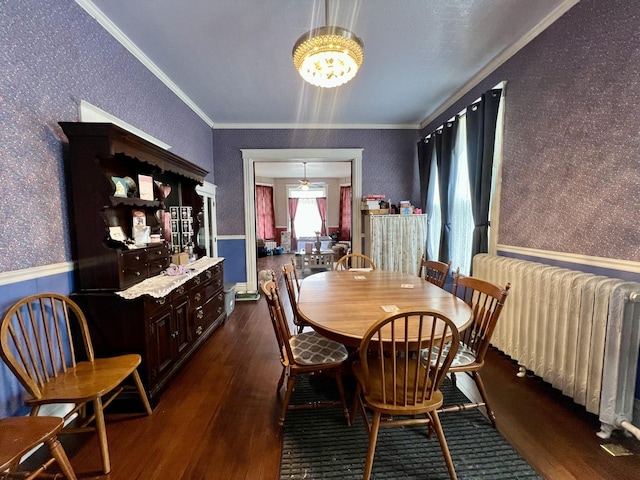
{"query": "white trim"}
(602, 262)
(126, 42)
(318, 126)
(208, 193)
(231, 237)
(251, 156)
(90, 113)
(560, 10)
(33, 273)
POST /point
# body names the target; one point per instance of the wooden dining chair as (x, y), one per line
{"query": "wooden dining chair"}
(307, 353)
(486, 301)
(19, 435)
(434, 271)
(354, 260)
(293, 290)
(393, 382)
(37, 343)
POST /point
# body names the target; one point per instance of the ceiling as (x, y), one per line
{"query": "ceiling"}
(230, 60)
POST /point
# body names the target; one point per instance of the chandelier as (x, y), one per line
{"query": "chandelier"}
(328, 56)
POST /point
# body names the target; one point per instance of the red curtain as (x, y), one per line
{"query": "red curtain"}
(345, 213)
(322, 209)
(265, 217)
(293, 207)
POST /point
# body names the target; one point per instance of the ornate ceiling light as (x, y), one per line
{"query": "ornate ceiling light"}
(328, 56)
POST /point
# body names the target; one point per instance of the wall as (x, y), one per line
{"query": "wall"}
(388, 166)
(54, 55)
(571, 171)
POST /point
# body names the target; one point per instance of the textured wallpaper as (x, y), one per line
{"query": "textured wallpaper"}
(571, 172)
(389, 163)
(54, 55)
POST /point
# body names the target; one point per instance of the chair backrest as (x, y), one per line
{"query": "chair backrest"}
(278, 318)
(486, 301)
(434, 271)
(293, 289)
(36, 339)
(393, 345)
(355, 260)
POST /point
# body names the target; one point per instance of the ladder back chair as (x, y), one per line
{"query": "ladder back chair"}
(434, 271)
(37, 343)
(486, 301)
(18, 435)
(293, 290)
(392, 381)
(353, 261)
(307, 353)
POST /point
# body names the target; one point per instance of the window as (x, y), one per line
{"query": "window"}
(307, 220)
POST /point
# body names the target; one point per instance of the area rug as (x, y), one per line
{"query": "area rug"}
(317, 444)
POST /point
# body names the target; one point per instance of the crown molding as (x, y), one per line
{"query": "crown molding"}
(126, 42)
(509, 52)
(312, 126)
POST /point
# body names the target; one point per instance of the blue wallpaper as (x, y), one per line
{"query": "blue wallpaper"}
(389, 163)
(571, 172)
(54, 55)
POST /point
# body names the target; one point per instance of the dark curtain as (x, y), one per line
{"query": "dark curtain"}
(322, 210)
(425, 154)
(345, 213)
(293, 208)
(481, 134)
(444, 144)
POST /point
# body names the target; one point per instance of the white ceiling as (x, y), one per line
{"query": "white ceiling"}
(230, 60)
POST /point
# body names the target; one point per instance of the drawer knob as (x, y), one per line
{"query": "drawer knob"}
(161, 301)
(199, 314)
(198, 296)
(197, 280)
(209, 274)
(199, 330)
(136, 257)
(181, 289)
(138, 274)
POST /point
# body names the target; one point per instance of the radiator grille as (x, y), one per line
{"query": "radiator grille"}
(576, 330)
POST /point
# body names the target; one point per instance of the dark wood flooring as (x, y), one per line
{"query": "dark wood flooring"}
(217, 419)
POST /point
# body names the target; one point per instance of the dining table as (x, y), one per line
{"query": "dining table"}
(343, 304)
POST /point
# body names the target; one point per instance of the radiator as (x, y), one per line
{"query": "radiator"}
(578, 331)
(270, 245)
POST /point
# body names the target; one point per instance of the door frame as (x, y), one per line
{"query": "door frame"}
(296, 155)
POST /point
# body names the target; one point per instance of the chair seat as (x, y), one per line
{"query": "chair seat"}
(464, 356)
(88, 380)
(18, 435)
(311, 348)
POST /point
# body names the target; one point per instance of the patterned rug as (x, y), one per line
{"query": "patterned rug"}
(317, 444)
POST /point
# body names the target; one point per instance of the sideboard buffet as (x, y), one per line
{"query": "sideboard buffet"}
(123, 235)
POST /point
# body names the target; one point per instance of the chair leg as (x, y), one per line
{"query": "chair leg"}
(287, 398)
(435, 420)
(356, 403)
(281, 381)
(101, 428)
(483, 393)
(57, 452)
(345, 410)
(142, 392)
(373, 438)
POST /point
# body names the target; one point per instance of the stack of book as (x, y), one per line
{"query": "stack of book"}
(372, 201)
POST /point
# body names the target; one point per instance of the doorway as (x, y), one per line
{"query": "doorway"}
(251, 156)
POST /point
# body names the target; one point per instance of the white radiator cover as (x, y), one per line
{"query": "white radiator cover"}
(578, 331)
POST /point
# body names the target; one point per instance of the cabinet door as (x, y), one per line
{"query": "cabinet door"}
(161, 345)
(181, 334)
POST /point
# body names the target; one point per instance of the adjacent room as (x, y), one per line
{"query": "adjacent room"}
(320, 239)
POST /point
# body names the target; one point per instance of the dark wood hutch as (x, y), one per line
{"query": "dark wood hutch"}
(103, 164)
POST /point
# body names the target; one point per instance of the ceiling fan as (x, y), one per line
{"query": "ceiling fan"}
(305, 183)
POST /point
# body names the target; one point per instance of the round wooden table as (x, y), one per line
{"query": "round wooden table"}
(342, 305)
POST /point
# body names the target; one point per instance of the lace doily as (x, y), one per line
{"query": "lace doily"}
(162, 285)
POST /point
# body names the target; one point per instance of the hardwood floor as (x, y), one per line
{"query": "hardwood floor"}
(218, 418)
